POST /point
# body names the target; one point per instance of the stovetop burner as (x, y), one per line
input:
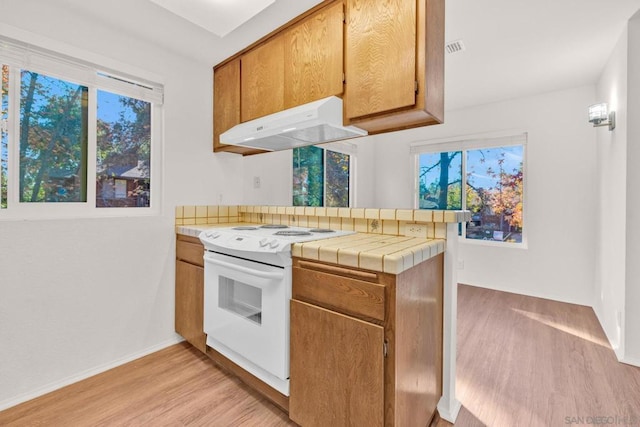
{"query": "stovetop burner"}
(322, 230)
(292, 233)
(274, 226)
(262, 244)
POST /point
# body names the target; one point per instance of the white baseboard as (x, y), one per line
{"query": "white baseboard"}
(85, 374)
(631, 361)
(449, 410)
(529, 294)
(616, 349)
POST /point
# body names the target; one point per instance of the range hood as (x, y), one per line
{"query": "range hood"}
(313, 123)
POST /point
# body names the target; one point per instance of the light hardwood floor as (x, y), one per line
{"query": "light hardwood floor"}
(177, 386)
(522, 361)
(525, 361)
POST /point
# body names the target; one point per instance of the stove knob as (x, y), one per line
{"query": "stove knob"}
(274, 244)
(263, 242)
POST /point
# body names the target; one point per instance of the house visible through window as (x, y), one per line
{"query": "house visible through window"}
(321, 177)
(493, 179)
(124, 148)
(65, 124)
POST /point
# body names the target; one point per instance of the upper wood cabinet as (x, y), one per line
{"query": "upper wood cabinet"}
(313, 57)
(262, 80)
(381, 52)
(385, 58)
(394, 57)
(226, 105)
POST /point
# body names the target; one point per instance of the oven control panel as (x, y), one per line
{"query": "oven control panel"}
(244, 242)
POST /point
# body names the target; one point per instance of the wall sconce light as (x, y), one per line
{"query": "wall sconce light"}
(599, 117)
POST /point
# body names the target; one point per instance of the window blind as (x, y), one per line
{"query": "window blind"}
(469, 143)
(26, 56)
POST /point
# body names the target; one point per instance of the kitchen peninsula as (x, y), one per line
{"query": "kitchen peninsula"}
(372, 310)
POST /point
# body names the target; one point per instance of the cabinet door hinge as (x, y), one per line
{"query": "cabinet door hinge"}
(344, 78)
(416, 86)
(385, 348)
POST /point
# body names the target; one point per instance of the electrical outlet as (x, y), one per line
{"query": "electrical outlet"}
(415, 230)
(256, 182)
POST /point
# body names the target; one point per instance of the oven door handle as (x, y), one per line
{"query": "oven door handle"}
(257, 273)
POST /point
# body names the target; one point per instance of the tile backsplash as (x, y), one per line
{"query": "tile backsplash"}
(201, 215)
(396, 222)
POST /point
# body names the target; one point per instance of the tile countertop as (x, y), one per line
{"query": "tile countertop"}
(376, 252)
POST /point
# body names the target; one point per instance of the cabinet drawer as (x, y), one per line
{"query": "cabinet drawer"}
(190, 252)
(336, 291)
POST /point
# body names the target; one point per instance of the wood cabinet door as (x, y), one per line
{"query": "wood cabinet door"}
(226, 99)
(337, 369)
(190, 304)
(314, 56)
(380, 56)
(262, 80)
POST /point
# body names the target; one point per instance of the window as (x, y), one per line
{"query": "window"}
(321, 177)
(123, 151)
(53, 139)
(493, 178)
(441, 180)
(66, 123)
(4, 115)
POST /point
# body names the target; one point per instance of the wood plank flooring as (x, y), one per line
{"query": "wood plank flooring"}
(522, 361)
(525, 361)
(177, 386)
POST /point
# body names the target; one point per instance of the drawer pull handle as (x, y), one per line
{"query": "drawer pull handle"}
(339, 270)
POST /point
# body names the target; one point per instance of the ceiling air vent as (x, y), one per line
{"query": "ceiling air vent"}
(455, 46)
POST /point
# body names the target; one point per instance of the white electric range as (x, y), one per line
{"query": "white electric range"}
(247, 292)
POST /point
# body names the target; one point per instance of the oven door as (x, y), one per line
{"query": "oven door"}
(246, 314)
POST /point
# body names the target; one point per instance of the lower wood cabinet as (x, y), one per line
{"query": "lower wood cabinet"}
(366, 347)
(189, 291)
(337, 368)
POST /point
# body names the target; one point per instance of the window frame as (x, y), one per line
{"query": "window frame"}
(338, 147)
(469, 143)
(21, 56)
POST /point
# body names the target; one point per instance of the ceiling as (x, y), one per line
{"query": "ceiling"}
(219, 17)
(514, 48)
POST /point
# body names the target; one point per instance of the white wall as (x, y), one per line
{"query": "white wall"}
(560, 201)
(612, 193)
(617, 269)
(77, 296)
(632, 309)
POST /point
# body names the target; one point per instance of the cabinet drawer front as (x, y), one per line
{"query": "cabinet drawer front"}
(190, 252)
(351, 296)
